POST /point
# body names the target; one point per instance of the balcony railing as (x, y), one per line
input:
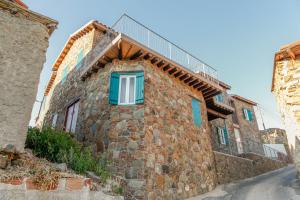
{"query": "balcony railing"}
(248, 145)
(137, 31)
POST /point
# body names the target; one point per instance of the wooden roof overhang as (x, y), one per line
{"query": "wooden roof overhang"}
(220, 107)
(125, 48)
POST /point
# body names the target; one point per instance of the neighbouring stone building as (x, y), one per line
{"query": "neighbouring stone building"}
(286, 88)
(236, 130)
(277, 136)
(145, 106)
(24, 39)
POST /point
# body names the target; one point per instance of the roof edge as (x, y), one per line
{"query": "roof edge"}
(235, 96)
(15, 8)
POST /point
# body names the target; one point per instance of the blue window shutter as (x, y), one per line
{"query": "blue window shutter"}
(250, 115)
(139, 93)
(226, 136)
(196, 112)
(79, 59)
(65, 73)
(114, 88)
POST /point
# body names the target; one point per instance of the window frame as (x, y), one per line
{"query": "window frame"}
(72, 116)
(127, 89)
(221, 135)
(246, 114)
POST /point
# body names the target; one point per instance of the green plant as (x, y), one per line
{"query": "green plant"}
(58, 146)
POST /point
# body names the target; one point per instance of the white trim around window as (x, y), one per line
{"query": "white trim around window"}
(127, 88)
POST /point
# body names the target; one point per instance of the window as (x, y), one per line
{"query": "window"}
(222, 135)
(54, 120)
(219, 98)
(64, 75)
(79, 59)
(71, 117)
(196, 113)
(247, 114)
(126, 88)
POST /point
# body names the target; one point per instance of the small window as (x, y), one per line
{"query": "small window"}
(219, 98)
(79, 59)
(64, 75)
(247, 114)
(71, 117)
(127, 89)
(223, 135)
(196, 113)
(54, 120)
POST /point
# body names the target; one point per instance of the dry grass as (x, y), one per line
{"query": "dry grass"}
(42, 172)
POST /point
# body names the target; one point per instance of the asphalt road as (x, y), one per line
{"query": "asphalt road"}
(276, 185)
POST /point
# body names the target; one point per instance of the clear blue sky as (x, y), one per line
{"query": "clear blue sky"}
(238, 38)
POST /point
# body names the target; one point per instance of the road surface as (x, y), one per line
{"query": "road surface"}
(276, 185)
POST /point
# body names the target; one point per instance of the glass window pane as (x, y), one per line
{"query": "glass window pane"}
(123, 90)
(131, 89)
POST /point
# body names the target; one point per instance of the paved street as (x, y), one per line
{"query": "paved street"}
(276, 185)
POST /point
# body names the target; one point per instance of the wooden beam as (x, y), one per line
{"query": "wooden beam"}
(178, 73)
(189, 79)
(211, 95)
(136, 55)
(215, 113)
(161, 63)
(165, 68)
(193, 82)
(148, 56)
(198, 85)
(206, 90)
(172, 70)
(154, 60)
(184, 77)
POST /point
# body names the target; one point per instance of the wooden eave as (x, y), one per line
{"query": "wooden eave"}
(212, 114)
(126, 48)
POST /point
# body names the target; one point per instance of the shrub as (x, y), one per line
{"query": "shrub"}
(58, 146)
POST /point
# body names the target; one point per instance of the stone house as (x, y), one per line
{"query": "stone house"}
(286, 88)
(24, 39)
(146, 109)
(277, 136)
(236, 132)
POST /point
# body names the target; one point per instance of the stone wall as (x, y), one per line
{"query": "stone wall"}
(262, 164)
(179, 158)
(67, 188)
(22, 55)
(286, 89)
(231, 168)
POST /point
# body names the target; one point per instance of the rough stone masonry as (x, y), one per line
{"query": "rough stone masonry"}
(23, 42)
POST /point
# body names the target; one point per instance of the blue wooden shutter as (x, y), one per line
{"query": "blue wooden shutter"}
(79, 59)
(64, 75)
(250, 115)
(114, 88)
(196, 112)
(139, 92)
(226, 136)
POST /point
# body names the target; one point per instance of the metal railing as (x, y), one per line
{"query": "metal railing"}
(137, 31)
(248, 145)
